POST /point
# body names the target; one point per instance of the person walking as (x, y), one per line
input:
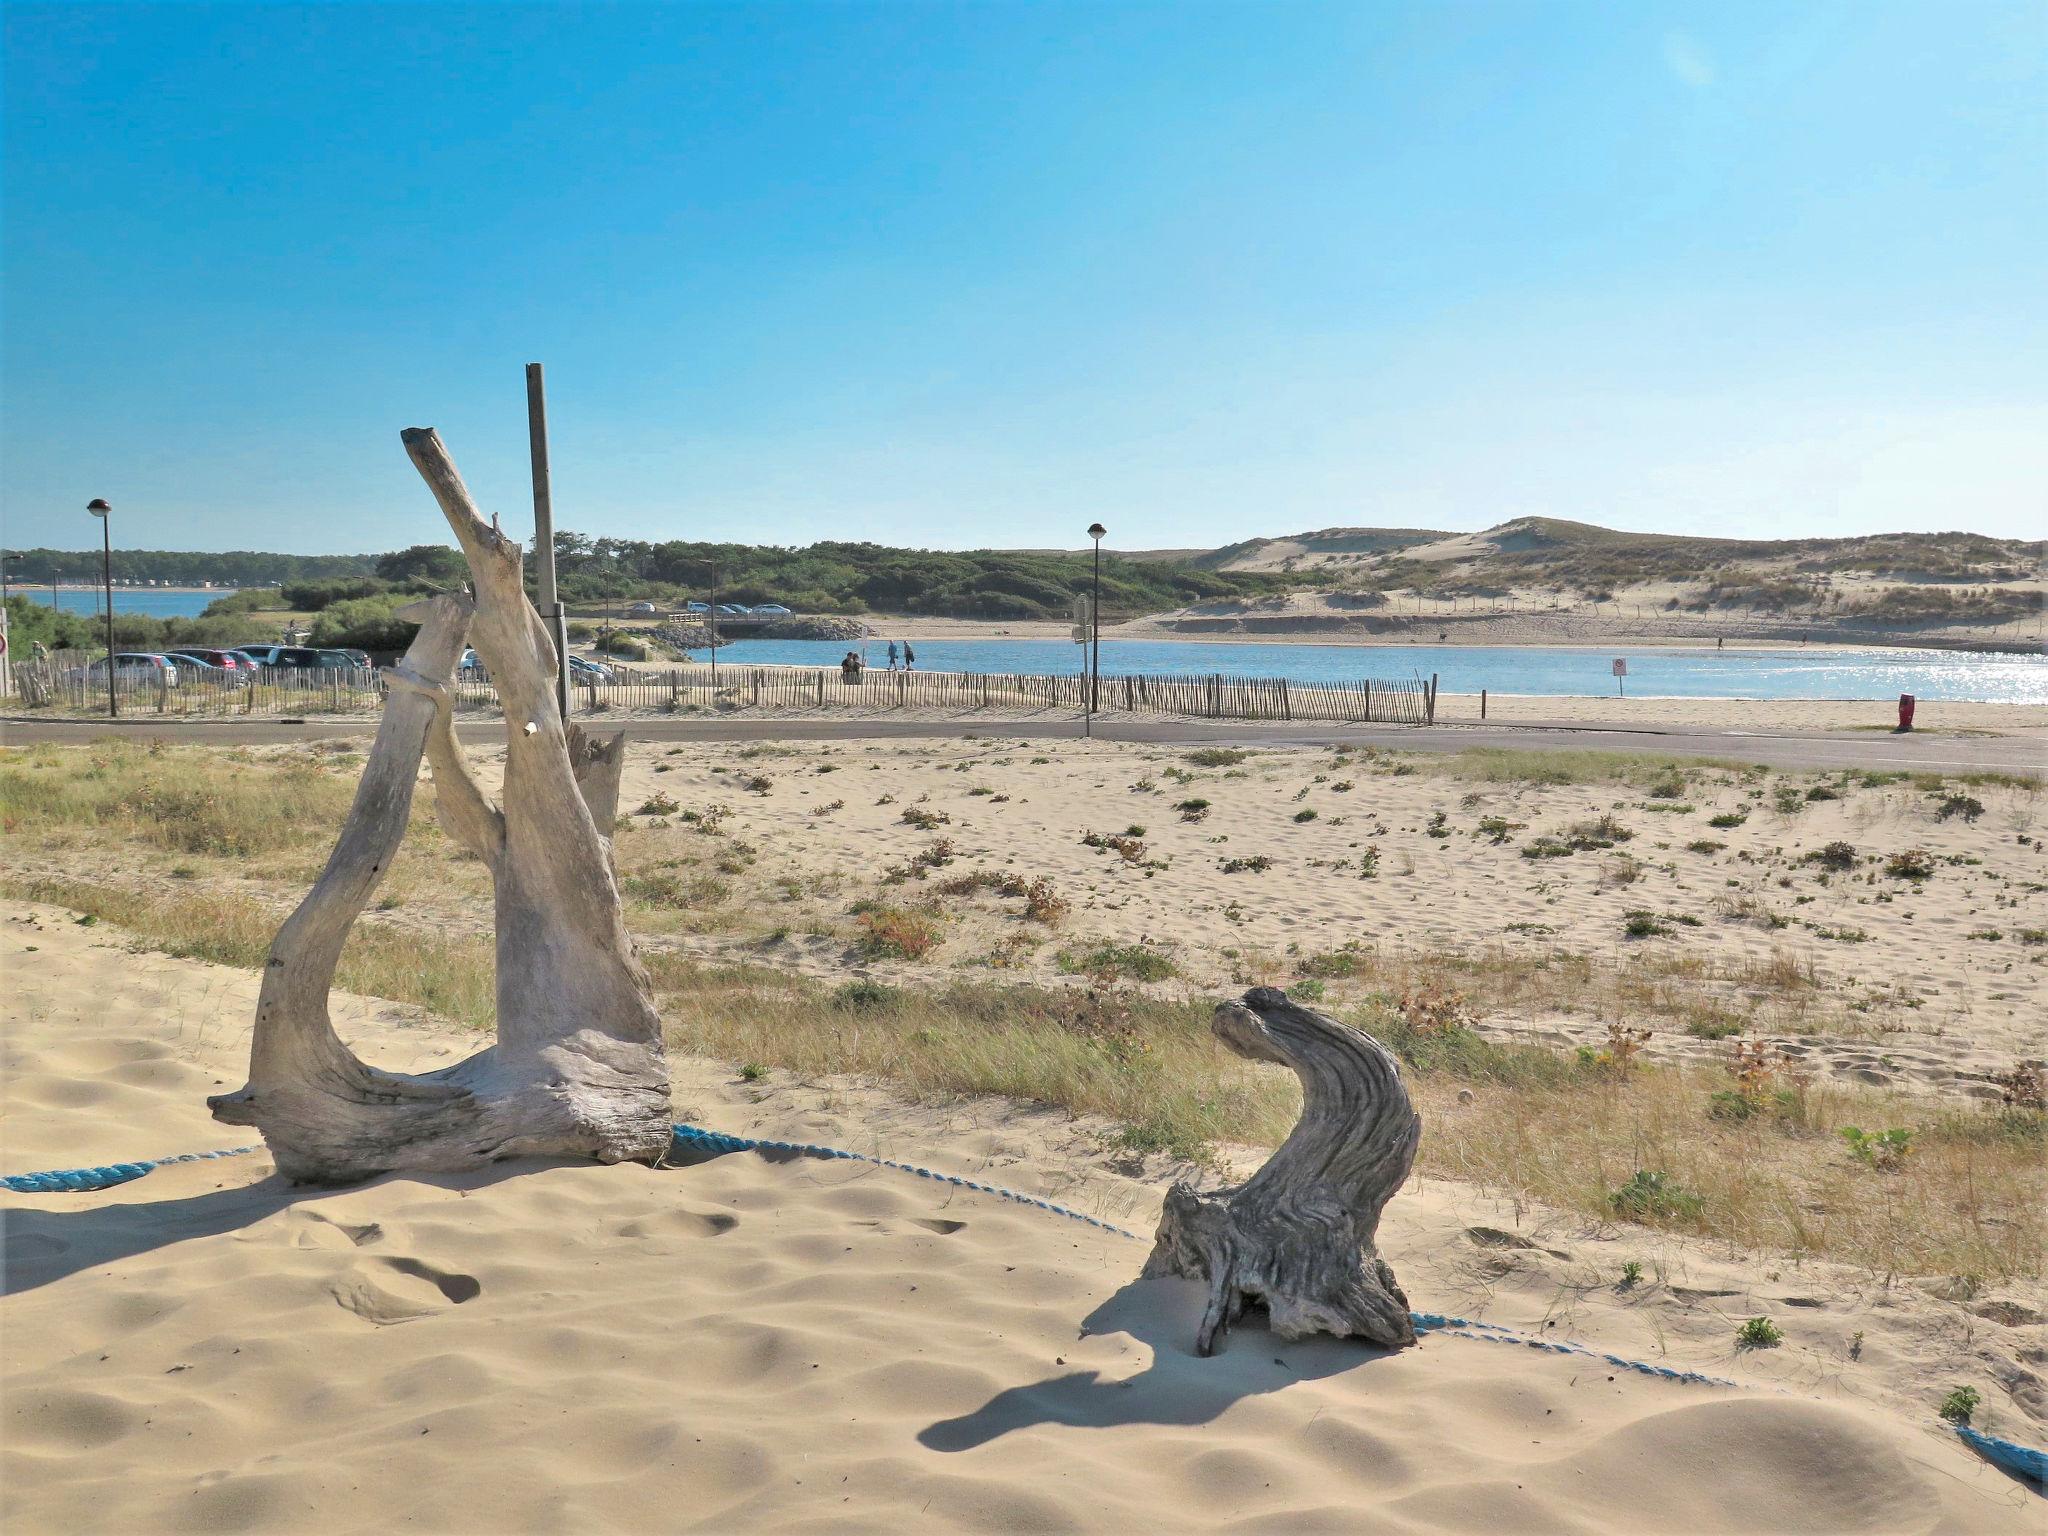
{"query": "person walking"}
(909, 658)
(849, 669)
(892, 655)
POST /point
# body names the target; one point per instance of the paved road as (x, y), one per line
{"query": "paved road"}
(1921, 751)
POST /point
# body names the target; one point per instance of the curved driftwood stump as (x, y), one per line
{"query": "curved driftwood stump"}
(578, 1067)
(1297, 1237)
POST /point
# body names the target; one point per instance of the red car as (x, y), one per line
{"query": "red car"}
(208, 662)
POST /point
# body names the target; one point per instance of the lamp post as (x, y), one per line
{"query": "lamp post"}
(711, 619)
(99, 508)
(6, 561)
(1095, 532)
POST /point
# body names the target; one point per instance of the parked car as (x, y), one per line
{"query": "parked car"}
(733, 610)
(643, 610)
(771, 611)
(693, 606)
(582, 670)
(306, 657)
(356, 657)
(471, 668)
(131, 666)
(216, 666)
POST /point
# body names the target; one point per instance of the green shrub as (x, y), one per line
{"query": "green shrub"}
(1758, 1333)
(1649, 1193)
(1959, 1405)
(1885, 1151)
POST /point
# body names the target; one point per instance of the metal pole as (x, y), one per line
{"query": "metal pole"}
(1095, 631)
(544, 531)
(107, 577)
(712, 619)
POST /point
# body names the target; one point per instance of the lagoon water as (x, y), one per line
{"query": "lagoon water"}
(156, 603)
(1659, 672)
(1653, 672)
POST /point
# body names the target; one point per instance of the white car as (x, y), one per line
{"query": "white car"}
(131, 667)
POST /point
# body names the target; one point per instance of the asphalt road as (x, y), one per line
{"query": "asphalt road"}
(1924, 752)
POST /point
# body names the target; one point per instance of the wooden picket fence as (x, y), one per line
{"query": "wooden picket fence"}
(65, 682)
(1212, 697)
(68, 682)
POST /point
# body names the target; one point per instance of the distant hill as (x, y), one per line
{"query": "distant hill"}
(185, 567)
(1582, 559)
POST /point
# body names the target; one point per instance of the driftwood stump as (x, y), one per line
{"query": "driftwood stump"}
(1297, 1237)
(578, 1067)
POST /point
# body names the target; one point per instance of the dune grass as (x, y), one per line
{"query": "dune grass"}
(1546, 1126)
(1565, 1131)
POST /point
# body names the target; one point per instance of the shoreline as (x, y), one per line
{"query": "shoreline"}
(887, 627)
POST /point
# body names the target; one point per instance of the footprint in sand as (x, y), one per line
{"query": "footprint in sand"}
(396, 1290)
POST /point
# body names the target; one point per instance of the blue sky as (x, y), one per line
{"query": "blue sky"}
(960, 275)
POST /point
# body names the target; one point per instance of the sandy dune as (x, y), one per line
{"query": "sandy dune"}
(754, 1344)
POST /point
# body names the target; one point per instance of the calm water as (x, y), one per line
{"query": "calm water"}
(1661, 673)
(158, 605)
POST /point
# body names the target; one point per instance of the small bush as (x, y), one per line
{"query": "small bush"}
(1728, 819)
(1118, 961)
(921, 818)
(1044, 904)
(1192, 810)
(1969, 807)
(890, 933)
(864, 996)
(1631, 1274)
(1959, 1405)
(1885, 1151)
(1649, 1194)
(1306, 813)
(1125, 846)
(1834, 857)
(1704, 845)
(1758, 1333)
(1257, 864)
(1216, 757)
(1643, 924)
(658, 804)
(1915, 864)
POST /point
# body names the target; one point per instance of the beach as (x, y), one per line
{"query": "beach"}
(781, 1343)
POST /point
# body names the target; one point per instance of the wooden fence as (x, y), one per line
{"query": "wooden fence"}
(66, 682)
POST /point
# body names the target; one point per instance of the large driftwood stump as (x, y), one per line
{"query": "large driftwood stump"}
(1297, 1237)
(578, 1067)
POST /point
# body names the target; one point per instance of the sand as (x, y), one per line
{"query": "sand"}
(1933, 718)
(757, 1344)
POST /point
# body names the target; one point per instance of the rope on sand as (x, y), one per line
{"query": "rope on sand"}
(2021, 1460)
(106, 1176)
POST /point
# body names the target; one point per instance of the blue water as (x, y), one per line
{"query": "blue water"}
(1652, 673)
(157, 604)
(1663, 672)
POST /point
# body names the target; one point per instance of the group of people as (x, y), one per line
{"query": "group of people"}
(855, 664)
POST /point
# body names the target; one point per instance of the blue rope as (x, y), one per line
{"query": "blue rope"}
(689, 1137)
(86, 1180)
(2023, 1459)
(2013, 1457)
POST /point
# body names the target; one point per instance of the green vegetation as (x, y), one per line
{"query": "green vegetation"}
(1758, 1333)
(1959, 1405)
(860, 578)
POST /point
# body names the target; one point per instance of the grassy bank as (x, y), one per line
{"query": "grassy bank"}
(199, 853)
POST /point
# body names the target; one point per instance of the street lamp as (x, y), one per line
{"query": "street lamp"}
(99, 508)
(1096, 532)
(6, 561)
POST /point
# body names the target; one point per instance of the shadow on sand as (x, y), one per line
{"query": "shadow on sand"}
(1178, 1388)
(44, 1246)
